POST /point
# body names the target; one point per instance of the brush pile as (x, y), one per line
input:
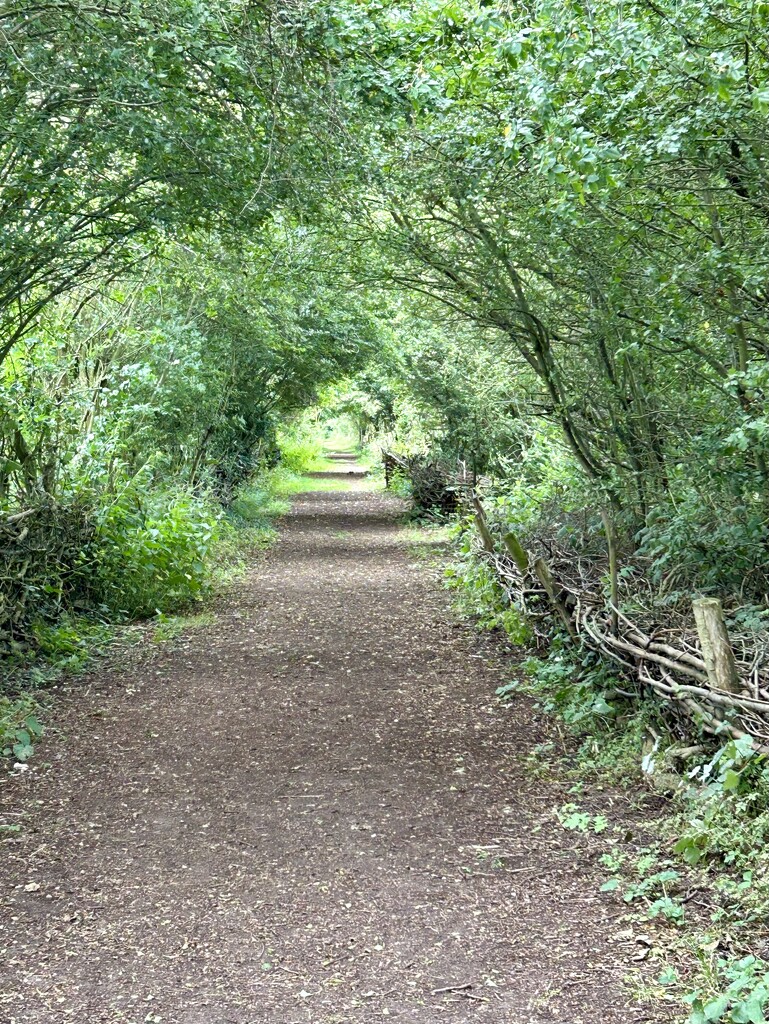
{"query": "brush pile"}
(435, 484)
(719, 680)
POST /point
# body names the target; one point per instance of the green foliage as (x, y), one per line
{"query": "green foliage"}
(149, 558)
(69, 644)
(725, 811)
(650, 886)
(479, 594)
(742, 1000)
(714, 546)
(300, 451)
(575, 690)
(19, 728)
(256, 506)
(574, 820)
(107, 148)
(529, 243)
(400, 486)
(583, 193)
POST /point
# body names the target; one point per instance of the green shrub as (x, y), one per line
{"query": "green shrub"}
(258, 505)
(400, 485)
(155, 556)
(693, 545)
(69, 643)
(479, 594)
(19, 727)
(300, 450)
(40, 568)
(725, 808)
(579, 690)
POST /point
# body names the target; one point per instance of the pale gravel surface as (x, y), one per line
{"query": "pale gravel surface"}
(312, 811)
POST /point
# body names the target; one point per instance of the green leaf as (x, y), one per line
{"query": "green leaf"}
(749, 1011)
(33, 725)
(716, 1008)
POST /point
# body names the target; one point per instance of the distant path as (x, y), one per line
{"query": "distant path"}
(312, 811)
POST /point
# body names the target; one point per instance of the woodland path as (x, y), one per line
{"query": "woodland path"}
(313, 810)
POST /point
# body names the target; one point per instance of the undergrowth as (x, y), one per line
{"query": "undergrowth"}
(478, 592)
(700, 888)
(163, 560)
(19, 727)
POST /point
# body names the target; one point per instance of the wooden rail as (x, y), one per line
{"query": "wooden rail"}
(722, 693)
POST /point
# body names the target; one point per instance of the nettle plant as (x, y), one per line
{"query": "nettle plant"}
(742, 1001)
(19, 728)
(725, 816)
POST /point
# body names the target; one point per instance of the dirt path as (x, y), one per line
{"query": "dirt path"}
(312, 811)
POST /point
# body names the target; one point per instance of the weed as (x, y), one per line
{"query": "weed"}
(743, 993)
(540, 760)
(613, 860)
(480, 596)
(575, 820)
(19, 727)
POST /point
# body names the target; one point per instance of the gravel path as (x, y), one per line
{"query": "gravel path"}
(312, 811)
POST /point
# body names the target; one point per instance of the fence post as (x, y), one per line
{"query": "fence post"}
(483, 526)
(716, 650)
(611, 545)
(516, 551)
(545, 577)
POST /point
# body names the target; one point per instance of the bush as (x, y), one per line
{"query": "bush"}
(257, 505)
(300, 450)
(40, 565)
(480, 595)
(155, 557)
(725, 815)
(721, 550)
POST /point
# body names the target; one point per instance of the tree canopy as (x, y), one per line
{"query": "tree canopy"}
(534, 240)
(521, 248)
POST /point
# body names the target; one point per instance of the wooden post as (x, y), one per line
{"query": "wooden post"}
(611, 544)
(483, 526)
(545, 577)
(516, 551)
(716, 649)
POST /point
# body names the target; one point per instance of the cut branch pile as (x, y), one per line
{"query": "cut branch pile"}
(721, 682)
(435, 485)
(41, 551)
